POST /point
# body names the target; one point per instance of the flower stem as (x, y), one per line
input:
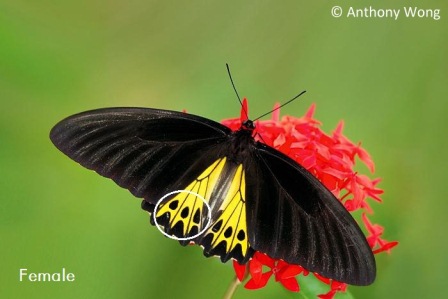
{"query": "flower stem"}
(231, 289)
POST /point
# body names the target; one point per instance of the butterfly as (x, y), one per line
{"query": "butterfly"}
(258, 199)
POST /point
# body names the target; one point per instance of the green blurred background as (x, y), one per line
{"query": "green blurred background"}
(387, 79)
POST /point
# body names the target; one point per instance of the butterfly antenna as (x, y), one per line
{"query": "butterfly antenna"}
(234, 88)
(281, 105)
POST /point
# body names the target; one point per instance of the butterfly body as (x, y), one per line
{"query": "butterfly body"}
(260, 199)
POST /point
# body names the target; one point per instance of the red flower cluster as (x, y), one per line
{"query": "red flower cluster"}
(283, 272)
(331, 158)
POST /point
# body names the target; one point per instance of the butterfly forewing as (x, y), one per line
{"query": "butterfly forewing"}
(147, 151)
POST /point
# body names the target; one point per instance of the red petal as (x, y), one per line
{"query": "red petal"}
(233, 123)
(365, 157)
(338, 286)
(276, 112)
(285, 147)
(349, 205)
(340, 174)
(338, 131)
(244, 114)
(329, 295)
(279, 141)
(323, 279)
(256, 269)
(290, 271)
(291, 284)
(253, 285)
(264, 259)
(325, 140)
(329, 181)
(240, 270)
(310, 112)
(309, 161)
(386, 247)
(372, 229)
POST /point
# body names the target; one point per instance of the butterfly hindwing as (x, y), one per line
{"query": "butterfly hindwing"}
(227, 235)
(293, 217)
(184, 215)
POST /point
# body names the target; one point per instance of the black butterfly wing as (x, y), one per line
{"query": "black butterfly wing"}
(148, 151)
(154, 152)
(292, 216)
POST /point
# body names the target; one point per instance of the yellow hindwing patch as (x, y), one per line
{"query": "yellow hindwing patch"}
(231, 225)
(187, 208)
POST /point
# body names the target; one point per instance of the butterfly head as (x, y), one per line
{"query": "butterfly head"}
(248, 125)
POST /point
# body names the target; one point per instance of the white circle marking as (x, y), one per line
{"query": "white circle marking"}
(209, 214)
